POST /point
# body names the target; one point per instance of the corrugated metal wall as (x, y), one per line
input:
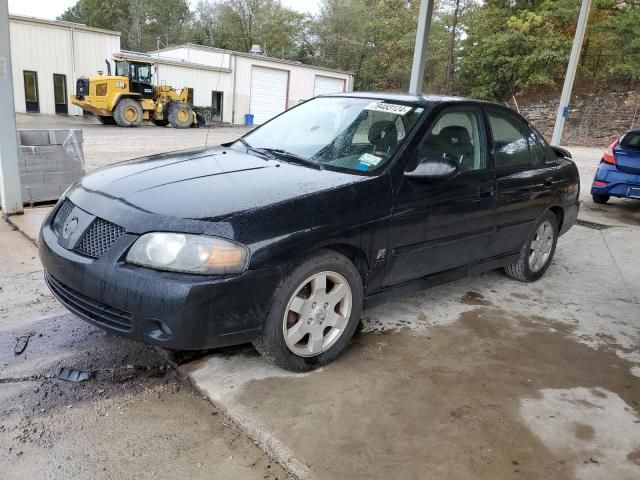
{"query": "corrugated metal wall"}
(203, 83)
(301, 82)
(301, 77)
(48, 49)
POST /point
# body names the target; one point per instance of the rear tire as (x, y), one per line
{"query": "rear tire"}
(600, 199)
(180, 115)
(537, 252)
(311, 320)
(128, 113)
(106, 120)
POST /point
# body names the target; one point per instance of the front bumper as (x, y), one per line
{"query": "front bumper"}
(617, 183)
(180, 311)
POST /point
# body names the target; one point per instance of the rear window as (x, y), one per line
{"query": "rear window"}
(631, 139)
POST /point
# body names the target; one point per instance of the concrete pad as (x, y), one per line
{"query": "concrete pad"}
(454, 382)
(30, 221)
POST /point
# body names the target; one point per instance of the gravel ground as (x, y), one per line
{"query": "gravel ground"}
(106, 144)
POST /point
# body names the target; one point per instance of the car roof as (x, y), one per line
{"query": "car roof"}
(422, 100)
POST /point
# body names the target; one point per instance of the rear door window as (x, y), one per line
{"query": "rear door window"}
(510, 140)
(631, 139)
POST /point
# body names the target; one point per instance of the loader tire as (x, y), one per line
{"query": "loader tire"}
(180, 115)
(128, 113)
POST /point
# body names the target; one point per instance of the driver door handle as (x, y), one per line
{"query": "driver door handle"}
(486, 192)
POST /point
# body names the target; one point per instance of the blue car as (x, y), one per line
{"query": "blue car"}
(619, 172)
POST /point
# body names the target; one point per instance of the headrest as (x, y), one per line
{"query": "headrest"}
(383, 132)
(455, 135)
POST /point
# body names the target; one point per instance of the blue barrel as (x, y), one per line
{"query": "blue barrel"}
(248, 119)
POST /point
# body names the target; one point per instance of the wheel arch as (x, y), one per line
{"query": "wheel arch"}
(121, 96)
(559, 213)
(355, 255)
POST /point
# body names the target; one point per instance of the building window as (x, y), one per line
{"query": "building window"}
(31, 96)
(60, 93)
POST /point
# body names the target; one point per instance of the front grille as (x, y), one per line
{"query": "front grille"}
(99, 238)
(61, 216)
(88, 308)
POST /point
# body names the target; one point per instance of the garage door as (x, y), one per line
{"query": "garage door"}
(268, 93)
(326, 85)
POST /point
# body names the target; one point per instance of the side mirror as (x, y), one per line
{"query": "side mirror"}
(431, 168)
(561, 152)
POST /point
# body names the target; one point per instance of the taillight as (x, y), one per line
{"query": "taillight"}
(597, 183)
(608, 156)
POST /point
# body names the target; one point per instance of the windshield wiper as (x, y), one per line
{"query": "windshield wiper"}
(262, 152)
(292, 157)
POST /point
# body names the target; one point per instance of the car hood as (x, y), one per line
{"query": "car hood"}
(208, 184)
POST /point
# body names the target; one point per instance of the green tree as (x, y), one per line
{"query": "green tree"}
(140, 22)
(239, 24)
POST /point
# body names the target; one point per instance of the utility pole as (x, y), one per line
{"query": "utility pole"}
(420, 51)
(10, 186)
(565, 98)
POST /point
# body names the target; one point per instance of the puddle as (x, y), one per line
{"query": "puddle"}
(592, 425)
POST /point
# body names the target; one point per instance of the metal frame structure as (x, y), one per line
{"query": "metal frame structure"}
(420, 60)
(10, 187)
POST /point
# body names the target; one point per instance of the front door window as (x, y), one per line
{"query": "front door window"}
(456, 136)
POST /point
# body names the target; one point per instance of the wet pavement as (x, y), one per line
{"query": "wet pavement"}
(135, 418)
(481, 378)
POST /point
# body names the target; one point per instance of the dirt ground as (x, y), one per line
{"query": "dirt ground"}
(136, 418)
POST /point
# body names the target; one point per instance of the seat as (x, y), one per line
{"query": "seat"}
(457, 143)
(383, 135)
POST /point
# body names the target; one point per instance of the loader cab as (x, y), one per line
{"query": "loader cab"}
(140, 76)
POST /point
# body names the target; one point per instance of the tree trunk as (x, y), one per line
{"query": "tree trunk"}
(452, 44)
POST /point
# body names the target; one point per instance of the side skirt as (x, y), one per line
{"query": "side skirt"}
(415, 286)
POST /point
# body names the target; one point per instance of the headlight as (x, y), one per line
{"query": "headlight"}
(188, 253)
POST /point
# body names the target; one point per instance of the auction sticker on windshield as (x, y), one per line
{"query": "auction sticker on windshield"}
(389, 107)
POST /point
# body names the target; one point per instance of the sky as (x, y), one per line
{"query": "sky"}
(52, 8)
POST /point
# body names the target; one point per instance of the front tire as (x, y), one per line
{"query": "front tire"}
(600, 199)
(180, 115)
(314, 313)
(537, 252)
(128, 113)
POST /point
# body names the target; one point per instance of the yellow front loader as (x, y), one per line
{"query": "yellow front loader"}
(129, 97)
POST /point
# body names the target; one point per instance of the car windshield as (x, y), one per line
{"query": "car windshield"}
(354, 134)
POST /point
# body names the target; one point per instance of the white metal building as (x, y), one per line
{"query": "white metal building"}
(48, 56)
(247, 83)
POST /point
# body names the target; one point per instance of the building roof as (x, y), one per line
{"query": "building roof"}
(62, 24)
(169, 61)
(250, 55)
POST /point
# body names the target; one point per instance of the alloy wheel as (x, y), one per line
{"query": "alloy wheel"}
(317, 314)
(540, 248)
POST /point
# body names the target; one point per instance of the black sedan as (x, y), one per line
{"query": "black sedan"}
(280, 238)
